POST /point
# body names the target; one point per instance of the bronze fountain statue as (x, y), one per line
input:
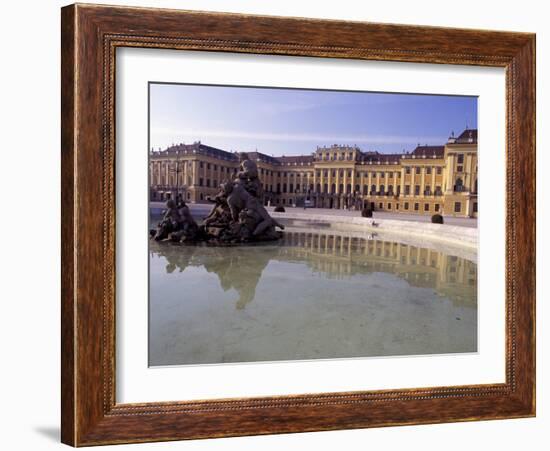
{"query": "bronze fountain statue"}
(238, 215)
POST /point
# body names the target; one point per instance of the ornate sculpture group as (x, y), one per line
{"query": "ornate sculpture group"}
(238, 214)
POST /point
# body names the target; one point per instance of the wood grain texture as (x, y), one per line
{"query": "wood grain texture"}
(90, 36)
(67, 224)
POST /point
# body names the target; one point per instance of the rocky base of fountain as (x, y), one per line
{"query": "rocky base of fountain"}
(238, 215)
(216, 234)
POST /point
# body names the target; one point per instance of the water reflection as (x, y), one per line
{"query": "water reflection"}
(315, 294)
(334, 256)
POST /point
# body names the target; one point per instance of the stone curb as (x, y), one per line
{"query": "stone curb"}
(448, 234)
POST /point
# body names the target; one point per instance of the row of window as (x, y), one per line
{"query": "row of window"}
(415, 206)
(427, 190)
(406, 205)
(174, 167)
(374, 190)
(418, 170)
(215, 167)
(208, 185)
(460, 160)
(337, 156)
(380, 190)
(162, 179)
(457, 208)
(428, 170)
(382, 174)
(350, 156)
(325, 172)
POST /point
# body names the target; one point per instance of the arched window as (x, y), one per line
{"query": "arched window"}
(333, 188)
(382, 189)
(365, 189)
(459, 185)
(373, 189)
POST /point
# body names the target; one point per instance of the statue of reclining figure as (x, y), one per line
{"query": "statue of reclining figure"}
(171, 221)
(176, 223)
(239, 199)
(220, 214)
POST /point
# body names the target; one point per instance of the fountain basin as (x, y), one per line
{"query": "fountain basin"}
(326, 290)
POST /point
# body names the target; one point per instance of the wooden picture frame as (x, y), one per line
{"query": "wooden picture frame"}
(90, 36)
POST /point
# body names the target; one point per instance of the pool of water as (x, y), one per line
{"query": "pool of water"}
(315, 294)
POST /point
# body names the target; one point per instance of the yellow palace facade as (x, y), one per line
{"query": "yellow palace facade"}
(428, 180)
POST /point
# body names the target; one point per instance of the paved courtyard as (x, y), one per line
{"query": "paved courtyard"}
(203, 209)
(464, 222)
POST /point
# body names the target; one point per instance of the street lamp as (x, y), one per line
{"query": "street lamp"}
(177, 171)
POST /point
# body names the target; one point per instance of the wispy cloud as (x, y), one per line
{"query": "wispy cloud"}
(177, 135)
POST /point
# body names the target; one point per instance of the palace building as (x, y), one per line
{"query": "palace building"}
(428, 180)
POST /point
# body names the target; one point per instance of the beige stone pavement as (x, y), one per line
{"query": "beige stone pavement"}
(449, 220)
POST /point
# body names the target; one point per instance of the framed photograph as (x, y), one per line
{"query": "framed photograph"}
(278, 225)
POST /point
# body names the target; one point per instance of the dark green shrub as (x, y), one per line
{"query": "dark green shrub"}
(437, 219)
(366, 213)
(279, 209)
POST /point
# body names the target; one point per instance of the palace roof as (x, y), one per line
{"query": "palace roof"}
(428, 151)
(197, 148)
(258, 156)
(468, 136)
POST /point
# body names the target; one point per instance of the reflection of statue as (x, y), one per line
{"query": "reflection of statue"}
(176, 260)
(240, 269)
(333, 254)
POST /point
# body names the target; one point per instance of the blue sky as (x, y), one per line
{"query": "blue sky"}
(293, 122)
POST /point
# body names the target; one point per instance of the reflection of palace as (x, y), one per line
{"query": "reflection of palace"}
(340, 256)
(335, 255)
(428, 180)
